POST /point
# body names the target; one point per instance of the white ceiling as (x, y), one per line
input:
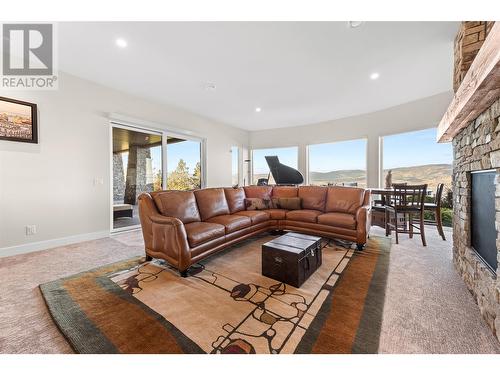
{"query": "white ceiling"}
(297, 72)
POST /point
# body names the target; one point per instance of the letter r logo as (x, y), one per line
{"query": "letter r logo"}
(27, 49)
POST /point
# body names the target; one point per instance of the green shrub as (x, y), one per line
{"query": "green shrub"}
(446, 216)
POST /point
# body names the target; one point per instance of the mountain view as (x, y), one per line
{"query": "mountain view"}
(431, 174)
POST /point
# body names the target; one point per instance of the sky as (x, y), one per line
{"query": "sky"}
(234, 160)
(401, 150)
(415, 148)
(328, 157)
(15, 109)
(187, 150)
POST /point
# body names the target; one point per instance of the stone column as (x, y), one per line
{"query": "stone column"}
(136, 173)
(118, 178)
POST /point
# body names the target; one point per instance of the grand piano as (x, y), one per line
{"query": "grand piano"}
(282, 174)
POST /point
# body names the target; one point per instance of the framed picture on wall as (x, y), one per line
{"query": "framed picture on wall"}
(18, 121)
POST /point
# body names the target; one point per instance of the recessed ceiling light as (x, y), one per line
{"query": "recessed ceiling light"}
(258, 109)
(120, 42)
(374, 76)
(354, 24)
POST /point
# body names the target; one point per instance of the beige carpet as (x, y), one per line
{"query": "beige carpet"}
(427, 309)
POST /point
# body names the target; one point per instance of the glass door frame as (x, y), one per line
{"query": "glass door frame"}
(165, 133)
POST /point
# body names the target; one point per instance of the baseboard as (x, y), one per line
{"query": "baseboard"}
(49, 244)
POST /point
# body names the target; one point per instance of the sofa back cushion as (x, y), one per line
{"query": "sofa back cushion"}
(263, 192)
(313, 197)
(179, 204)
(211, 202)
(344, 199)
(285, 192)
(235, 199)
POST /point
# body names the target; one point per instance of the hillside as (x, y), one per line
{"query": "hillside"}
(430, 174)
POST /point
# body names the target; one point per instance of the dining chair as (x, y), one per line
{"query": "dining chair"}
(435, 210)
(407, 203)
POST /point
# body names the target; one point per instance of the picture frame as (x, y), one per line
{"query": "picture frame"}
(18, 121)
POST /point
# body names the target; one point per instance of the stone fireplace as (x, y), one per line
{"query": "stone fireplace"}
(471, 122)
(477, 148)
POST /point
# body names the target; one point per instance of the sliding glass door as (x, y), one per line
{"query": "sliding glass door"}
(146, 161)
(137, 168)
(184, 164)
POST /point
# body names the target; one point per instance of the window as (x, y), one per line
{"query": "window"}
(416, 158)
(260, 169)
(183, 164)
(235, 153)
(340, 163)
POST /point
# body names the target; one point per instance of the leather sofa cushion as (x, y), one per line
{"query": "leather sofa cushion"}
(313, 197)
(263, 192)
(344, 199)
(211, 202)
(231, 222)
(235, 199)
(200, 232)
(308, 216)
(338, 219)
(276, 213)
(285, 192)
(255, 216)
(179, 204)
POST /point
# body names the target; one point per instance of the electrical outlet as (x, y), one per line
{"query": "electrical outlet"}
(98, 181)
(30, 230)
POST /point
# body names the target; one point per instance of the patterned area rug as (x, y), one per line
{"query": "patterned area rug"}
(226, 305)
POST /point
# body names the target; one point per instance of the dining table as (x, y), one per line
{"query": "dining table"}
(378, 214)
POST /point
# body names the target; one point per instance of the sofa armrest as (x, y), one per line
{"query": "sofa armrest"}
(170, 238)
(165, 220)
(363, 223)
(165, 237)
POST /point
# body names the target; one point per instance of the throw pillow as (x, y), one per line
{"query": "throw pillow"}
(253, 204)
(287, 203)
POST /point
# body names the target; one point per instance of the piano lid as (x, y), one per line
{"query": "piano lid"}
(283, 174)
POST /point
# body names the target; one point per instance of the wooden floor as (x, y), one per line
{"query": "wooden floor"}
(427, 308)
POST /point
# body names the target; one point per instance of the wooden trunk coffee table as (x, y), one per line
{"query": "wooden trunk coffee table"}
(291, 258)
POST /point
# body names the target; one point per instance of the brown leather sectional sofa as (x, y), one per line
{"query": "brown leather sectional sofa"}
(183, 227)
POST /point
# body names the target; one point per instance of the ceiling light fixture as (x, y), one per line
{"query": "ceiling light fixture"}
(120, 42)
(258, 109)
(354, 24)
(374, 76)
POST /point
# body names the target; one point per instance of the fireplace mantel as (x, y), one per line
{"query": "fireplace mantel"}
(478, 90)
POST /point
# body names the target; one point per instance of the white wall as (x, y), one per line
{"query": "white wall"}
(421, 114)
(51, 184)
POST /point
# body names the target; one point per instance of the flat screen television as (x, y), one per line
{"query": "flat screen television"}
(483, 231)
